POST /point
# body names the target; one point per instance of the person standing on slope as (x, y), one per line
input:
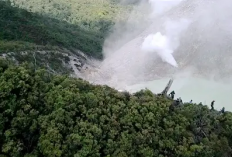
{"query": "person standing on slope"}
(172, 94)
(212, 105)
(223, 110)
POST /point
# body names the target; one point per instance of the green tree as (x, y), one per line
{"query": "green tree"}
(50, 115)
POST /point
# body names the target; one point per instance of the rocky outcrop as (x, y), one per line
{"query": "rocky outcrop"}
(62, 61)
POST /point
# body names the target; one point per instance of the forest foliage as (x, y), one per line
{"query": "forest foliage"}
(94, 15)
(42, 114)
(46, 115)
(46, 25)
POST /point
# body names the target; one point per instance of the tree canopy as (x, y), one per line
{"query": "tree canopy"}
(42, 114)
(49, 115)
(49, 25)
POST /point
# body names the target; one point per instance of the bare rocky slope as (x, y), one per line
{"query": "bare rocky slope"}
(63, 61)
(204, 49)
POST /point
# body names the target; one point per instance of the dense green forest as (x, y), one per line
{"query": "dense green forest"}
(46, 25)
(94, 15)
(46, 115)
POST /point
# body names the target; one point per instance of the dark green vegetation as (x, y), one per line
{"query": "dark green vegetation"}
(94, 15)
(49, 25)
(46, 115)
(42, 114)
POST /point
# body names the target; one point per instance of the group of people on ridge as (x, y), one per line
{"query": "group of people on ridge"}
(179, 101)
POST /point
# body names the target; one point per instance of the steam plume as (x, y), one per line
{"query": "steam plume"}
(163, 45)
(182, 33)
(159, 44)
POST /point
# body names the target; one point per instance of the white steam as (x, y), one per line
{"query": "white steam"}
(161, 35)
(163, 45)
(161, 6)
(159, 43)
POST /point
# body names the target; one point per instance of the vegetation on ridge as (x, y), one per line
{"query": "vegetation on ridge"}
(97, 15)
(46, 115)
(52, 28)
(42, 114)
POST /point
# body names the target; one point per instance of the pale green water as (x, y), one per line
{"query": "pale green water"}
(197, 89)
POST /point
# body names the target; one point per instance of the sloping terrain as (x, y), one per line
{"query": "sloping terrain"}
(203, 49)
(97, 15)
(48, 115)
(43, 113)
(31, 27)
(29, 31)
